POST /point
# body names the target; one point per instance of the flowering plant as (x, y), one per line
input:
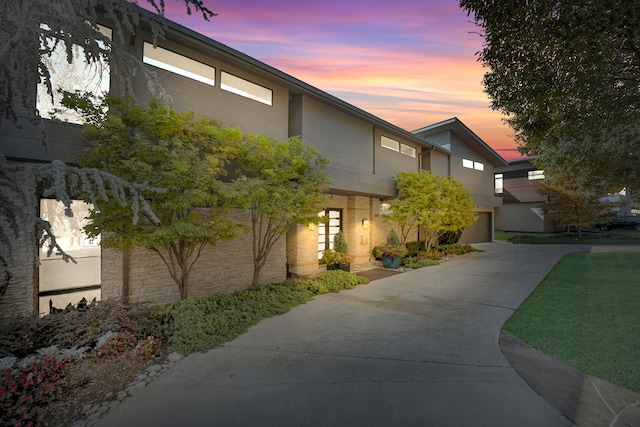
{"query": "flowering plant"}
(25, 390)
(331, 257)
(114, 346)
(390, 250)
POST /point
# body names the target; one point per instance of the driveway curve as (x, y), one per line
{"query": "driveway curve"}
(414, 349)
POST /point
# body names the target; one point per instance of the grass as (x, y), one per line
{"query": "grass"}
(615, 237)
(586, 313)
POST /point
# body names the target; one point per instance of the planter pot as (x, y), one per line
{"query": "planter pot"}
(391, 261)
(333, 266)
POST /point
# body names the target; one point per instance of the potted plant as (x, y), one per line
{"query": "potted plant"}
(392, 251)
(338, 257)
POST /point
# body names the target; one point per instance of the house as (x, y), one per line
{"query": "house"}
(472, 162)
(518, 183)
(210, 78)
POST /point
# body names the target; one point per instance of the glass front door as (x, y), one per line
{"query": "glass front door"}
(328, 229)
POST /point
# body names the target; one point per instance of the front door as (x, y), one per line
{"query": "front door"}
(328, 229)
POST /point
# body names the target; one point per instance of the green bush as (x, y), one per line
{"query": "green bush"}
(340, 243)
(415, 247)
(457, 249)
(450, 237)
(421, 263)
(393, 238)
(432, 254)
(194, 325)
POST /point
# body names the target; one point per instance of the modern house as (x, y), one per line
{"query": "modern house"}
(518, 183)
(210, 78)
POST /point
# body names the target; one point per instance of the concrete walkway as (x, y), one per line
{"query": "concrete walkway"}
(414, 349)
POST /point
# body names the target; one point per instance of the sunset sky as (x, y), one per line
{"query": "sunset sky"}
(409, 62)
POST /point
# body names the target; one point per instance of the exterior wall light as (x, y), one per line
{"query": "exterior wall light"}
(312, 226)
(365, 224)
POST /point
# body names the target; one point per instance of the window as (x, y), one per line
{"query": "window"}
(245, 88)
(178, 64)
(328, 229)
(385, 208)
(407, 150)
(79, 75)
(60, 283)
(537, 174)
(499, 183)
(389, 143)
(470, 164)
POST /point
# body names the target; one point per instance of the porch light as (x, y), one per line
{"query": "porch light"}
(365, 224)
(312, 226)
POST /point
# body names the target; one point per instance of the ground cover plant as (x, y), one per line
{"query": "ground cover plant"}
(55, 366)
(585, 313)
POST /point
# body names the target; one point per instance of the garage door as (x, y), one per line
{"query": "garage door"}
(480, 231)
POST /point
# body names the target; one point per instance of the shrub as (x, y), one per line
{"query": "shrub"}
(457, 249)
(26, 390)
(340, 243)
(432, 254)
(393, 238)
(415, 247)
(450, 237)
(194, 325)
(421, 263)
(114, 346)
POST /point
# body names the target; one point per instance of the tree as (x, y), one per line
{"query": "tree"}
(171, 150)
(30, 32)
(571, 206)
(281, 183)
(567, 76)
(18, 207)
(431, 203)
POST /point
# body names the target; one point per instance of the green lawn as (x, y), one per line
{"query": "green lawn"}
(586, 313)
(614, 237)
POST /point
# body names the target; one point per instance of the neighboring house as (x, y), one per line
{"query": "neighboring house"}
(473, 163)
(522, 203)
(210, 78)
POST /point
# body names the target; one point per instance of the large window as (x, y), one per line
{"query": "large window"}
(245, 88)
(62, 283)
(77, 76)
(179, 64)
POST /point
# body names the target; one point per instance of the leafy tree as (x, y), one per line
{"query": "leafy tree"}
(571, 206)
(171, 150)
(567, 76)
(24, 52)
(431, 203)
(281, 183)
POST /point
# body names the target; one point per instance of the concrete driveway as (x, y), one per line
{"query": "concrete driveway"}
(415, 349)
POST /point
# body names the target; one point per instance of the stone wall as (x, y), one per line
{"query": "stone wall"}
(20, 296)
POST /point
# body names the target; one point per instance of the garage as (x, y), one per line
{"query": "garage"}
(479, 232)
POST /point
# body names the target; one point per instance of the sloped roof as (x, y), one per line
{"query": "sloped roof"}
(455, 125)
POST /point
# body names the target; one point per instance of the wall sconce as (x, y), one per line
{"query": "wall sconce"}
(312, 226)
(365, 224)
